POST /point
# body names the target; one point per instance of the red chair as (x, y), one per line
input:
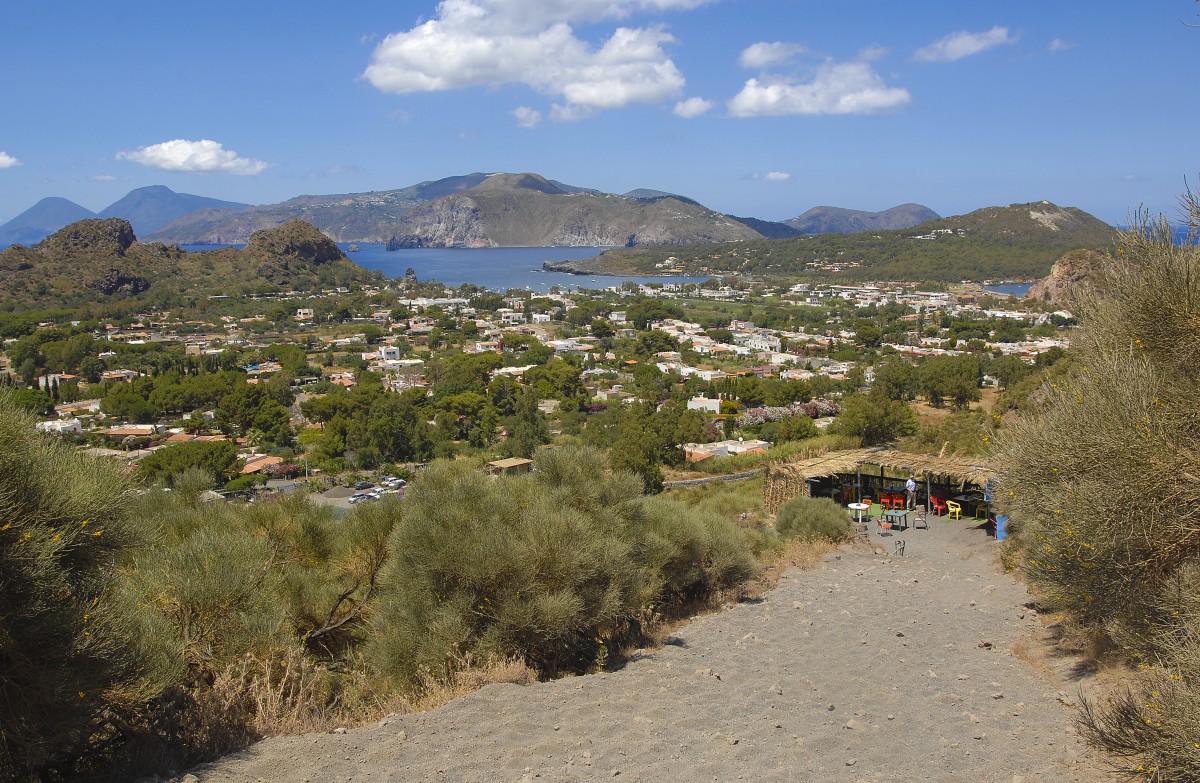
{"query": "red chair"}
(885, 501)
(939, 506)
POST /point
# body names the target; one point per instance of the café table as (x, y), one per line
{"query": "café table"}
(858, 509)
(897, 517)
(969, 501)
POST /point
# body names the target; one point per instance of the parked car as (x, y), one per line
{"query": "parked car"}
(363, 485)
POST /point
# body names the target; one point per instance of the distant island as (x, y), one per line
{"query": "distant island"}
(470, 210)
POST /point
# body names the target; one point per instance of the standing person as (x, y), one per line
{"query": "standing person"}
(910, 489)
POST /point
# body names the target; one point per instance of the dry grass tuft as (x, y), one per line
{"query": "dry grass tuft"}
(467, 676)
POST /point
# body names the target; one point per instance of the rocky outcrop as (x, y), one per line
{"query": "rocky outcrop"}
(452, 221)
(92, 260)
(1071, 274)
(294, 240)
(118, 281)
(97, 237)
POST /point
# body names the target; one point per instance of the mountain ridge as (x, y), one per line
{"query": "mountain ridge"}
(840, 220)
(150, 208)
(147, 209)
(41, 220)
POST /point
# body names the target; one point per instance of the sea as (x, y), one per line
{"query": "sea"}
(1012, 289)
(493, 268)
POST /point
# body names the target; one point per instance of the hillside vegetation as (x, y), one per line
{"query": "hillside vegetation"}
(1100, 477)
(141, 630)
(100, 259)
(1018, 241)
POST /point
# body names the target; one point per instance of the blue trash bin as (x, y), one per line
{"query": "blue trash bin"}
(1001, 527)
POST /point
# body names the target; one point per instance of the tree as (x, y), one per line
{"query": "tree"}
(895, 379)
(372, 334)
(1009, 370)
(125, 403)
(527, 428)
(795, 428)
(396, 430)
(874, 419)
(219, 459)
(869, 335)
(956, 377)
(601, 329)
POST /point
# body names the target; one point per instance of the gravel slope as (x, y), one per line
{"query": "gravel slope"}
(872, 667)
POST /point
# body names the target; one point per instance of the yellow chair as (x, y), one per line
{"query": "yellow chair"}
(954, 509)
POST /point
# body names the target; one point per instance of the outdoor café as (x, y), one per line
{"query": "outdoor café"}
(876, 477)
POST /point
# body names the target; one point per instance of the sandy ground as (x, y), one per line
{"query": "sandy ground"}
(873, 667)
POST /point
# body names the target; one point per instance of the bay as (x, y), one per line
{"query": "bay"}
(494, 268)
(1012, 289)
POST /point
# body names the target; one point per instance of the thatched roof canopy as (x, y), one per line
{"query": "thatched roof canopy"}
(841, 462)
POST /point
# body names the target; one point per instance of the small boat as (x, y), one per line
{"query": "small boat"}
(352, 249)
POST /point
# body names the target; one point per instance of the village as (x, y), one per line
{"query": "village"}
(627, 344)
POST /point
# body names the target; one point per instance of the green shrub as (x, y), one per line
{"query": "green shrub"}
(1100, 474)
(813, 519)
(553, 567)
(70, 650)
(700, 552)
(500, 567)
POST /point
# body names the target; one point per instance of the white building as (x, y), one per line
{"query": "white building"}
(60, 426)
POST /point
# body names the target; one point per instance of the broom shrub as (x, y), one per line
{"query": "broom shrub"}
(1102, 482)
(554, 567)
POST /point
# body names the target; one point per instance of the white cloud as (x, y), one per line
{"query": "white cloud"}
(1061, 45)
(193, 156)
(764, 54)
(527, 117)
(103, 178)
(770, 176)
(872, 53)
(963, 44)
(8, 161)
(836, 88)
(507, 16)
(693, 107)
(494, 42)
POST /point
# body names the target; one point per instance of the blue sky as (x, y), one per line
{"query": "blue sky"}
(760, 108)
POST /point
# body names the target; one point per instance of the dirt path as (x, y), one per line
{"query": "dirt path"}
(870, 668)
